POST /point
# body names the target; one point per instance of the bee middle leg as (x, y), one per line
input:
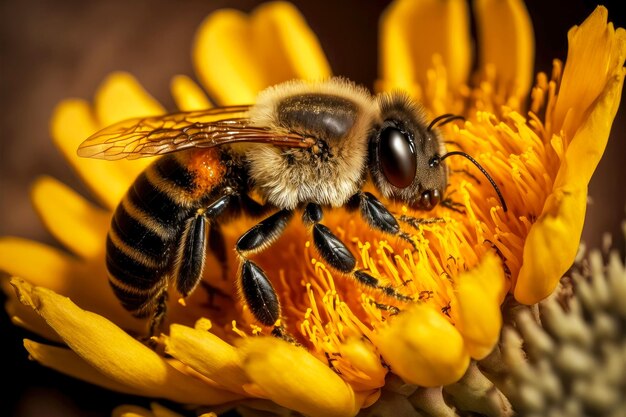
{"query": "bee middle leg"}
(256, 288)
(335, 252)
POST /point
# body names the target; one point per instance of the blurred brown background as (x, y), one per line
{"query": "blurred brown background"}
(53, 50)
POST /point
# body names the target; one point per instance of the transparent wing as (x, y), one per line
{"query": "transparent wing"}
(150, 136)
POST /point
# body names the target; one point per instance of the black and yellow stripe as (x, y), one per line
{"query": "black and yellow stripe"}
(146, 231)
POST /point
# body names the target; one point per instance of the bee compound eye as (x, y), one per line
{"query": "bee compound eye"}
(396, 152)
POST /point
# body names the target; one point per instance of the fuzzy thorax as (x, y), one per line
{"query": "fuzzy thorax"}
(337, 115)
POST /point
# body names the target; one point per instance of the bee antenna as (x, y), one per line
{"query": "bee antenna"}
(444, 118)
(485, 173)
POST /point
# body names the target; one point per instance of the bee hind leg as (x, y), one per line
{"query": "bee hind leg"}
(256, 288)
(158, 316)
(189, 258)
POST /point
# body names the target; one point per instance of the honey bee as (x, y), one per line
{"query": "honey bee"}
(304, 147)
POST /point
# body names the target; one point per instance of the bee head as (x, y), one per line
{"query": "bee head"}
(405, 154)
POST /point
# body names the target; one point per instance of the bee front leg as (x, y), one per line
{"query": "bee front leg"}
(257, 290)
(338, 256)
(376, 215)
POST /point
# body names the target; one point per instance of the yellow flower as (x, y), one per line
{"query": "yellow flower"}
(458, 269)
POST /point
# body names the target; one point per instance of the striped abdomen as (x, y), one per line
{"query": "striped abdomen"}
(148, 225)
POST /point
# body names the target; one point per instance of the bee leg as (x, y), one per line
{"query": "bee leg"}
(190, 254)
(257, 290)
(338, 256)
(158, 316)
(375, 213)
(393, 310)
(415, 222)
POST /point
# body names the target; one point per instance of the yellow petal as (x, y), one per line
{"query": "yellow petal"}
(23, 316)
(131, 411)
(73, 122)
(17, 255)
(113, 352)
(76, 223)
(87, 284)
(412, 32)
(160, 411)
(423, 348)
(588, 144)
(223, 37)
(156, 410)
(552, 244)
(120, 97)
(507, 43)
(293, 378)
(207, 354)
(287, 47)
(188, 95)
(364, 358)
(236, 56)
(66, 361)
(480, 292)
(595, 53)
(35, 327)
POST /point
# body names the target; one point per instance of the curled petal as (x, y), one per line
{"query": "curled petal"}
(596, 52)
(552, 242)
(236, 55)
(506, 43)
(480, 292)
(412, 32)
(551, 245)
(76, 223)
(588, 144)
(293, 378)
(25, 317)
(423, 348)
(113, 352)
